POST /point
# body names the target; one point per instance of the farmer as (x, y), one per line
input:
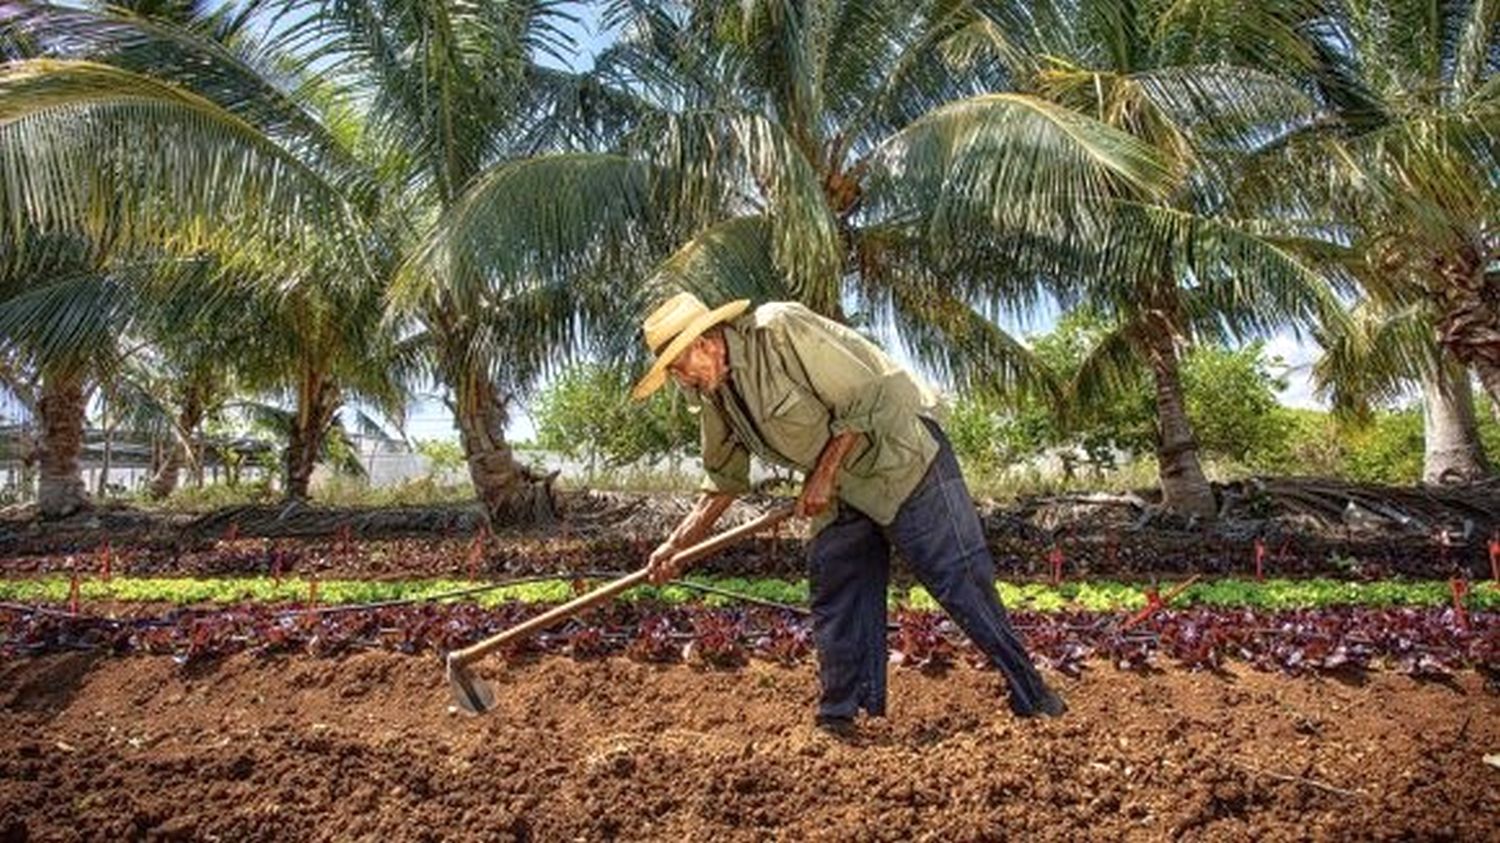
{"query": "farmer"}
(807, 393)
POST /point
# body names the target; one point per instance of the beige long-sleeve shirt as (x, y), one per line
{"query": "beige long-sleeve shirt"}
(795, 380)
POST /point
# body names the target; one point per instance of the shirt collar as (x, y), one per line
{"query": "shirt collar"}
(738, 348)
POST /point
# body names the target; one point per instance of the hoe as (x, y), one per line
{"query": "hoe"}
(477, 696)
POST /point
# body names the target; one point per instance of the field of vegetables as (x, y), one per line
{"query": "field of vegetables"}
(248, 689)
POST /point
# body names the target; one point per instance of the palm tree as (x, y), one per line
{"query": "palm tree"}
(1377, 357)
(61, 318)
(836, 153)
(1406, 160)
(456, 88)
(361, 124)
(1183, 269)
(230, 166)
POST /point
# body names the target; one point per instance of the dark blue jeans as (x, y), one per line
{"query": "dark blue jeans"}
(939, 534)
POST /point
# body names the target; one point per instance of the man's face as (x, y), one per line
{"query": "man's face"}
(701, 366)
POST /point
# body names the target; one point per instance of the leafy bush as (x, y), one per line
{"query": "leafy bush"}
(1231, 401)
(1386, 450)
(444, 456)
(587, 413)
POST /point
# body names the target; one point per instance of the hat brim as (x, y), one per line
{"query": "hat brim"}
(657, 375)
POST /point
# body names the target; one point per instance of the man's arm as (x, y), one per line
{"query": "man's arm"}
(821, 485)
(695, 525)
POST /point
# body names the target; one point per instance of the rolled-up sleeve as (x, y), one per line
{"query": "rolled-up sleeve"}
(726, 462)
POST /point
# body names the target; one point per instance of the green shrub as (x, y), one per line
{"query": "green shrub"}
(587, 413)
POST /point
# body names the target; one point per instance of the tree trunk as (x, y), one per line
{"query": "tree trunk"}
(1469, 298)
(61, 491)
(107, 462)
(189, 417)
(1184, 488)
(1453, 453)
(511, 493)
(317, 401)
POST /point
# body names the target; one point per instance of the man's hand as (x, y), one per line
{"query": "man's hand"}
(821, 485)
(661, 565)
(699, 520)
(817, 495)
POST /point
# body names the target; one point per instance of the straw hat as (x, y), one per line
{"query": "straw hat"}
(673, 327)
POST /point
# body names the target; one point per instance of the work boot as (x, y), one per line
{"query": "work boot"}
(1050, 705)
(839, 727)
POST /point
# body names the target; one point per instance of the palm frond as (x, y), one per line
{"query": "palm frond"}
(66, 321)
(1374, 357)
(951, 339)
(1111, 367)
(1009, 162)
(133, 162)
(530, 221)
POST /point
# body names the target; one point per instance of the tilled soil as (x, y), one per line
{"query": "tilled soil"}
(365, 747)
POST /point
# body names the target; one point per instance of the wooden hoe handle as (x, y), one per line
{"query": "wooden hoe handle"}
(459, 658)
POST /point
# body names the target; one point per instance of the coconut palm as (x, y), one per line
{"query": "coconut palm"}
(269, 186)
(457, 89)
(844, 154)
(61, 317)
(380, 117)
(1182, 269)
(1377, 357)
(1406, 160)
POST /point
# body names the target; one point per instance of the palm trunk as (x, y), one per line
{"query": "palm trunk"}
(1453, 452)
(61, 491)
(189, 417)
(1184, 487)
(102, 490)
(318, 400)
(511, 493)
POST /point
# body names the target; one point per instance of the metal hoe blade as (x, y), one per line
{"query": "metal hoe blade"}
(472, 694)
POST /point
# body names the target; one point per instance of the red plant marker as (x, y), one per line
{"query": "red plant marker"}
(73, 592)
(233, 532)
(1495, 560)
(104, 560)
(1155, 601)
(1055, 557)
(1260, 559)
(1460, 614)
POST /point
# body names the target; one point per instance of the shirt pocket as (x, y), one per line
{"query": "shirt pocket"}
(798, 423)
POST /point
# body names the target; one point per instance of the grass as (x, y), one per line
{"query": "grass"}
(1100, 596)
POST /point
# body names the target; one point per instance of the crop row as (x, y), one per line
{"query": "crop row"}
(1422, 641)
(1097, 596)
